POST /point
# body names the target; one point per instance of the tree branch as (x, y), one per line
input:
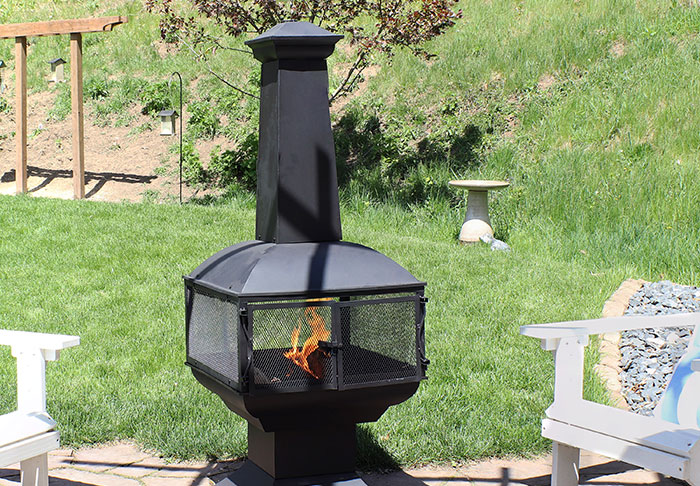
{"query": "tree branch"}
(346, 82)
(203, 57)
(230, 85)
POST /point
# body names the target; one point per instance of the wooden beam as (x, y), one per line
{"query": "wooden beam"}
(21, 114)
(58, 27)
(75, 28)
(76, 94)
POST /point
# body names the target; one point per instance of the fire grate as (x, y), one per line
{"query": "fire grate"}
(286, 350)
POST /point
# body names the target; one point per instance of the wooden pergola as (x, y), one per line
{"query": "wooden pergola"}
(76, 28)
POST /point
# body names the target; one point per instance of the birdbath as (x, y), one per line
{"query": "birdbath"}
(477, 222)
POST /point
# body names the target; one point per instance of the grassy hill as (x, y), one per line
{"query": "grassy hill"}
(587, 107)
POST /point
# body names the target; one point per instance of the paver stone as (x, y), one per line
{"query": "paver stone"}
(71, 475)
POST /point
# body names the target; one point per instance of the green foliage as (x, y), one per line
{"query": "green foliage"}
(193, 173)
(235, 166)
(96, 87)
(155, 97)
(222, 98)
(4, 105)
(401, 154)
(237, 113)
(114, 98)
(203, 121)
(143, 127)
(62, 105)
(130, 88)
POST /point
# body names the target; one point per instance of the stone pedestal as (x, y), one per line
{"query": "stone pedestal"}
(476, 221)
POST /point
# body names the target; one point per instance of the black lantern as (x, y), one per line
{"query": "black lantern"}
(167, 122)
(57, 75)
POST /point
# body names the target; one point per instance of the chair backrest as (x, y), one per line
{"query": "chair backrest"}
(680, 402)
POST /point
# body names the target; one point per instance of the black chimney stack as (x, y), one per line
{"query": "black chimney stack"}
(297, 198)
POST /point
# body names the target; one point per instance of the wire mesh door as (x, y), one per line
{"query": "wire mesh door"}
(335, 344)
(380, 341)
(291, 346)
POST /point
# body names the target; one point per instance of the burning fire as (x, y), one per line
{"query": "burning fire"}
(309, 357)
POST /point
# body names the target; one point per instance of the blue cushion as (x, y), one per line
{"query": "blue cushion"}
(680, 403)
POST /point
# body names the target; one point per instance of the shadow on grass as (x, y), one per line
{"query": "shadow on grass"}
(404, 167)
(371, 456)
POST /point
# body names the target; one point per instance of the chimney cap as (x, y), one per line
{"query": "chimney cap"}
(293, 40)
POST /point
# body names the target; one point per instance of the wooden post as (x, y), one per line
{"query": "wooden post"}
(75, 28)
(568, 371)
(21, 115)
(31, 379)
(76, 93)
(565, 464)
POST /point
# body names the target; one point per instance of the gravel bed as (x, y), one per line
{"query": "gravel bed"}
(649, 356)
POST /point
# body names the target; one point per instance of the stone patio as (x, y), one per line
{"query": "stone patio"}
(123, 464)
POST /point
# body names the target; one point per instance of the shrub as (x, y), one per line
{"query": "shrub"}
(203, 122)
(155, 97)
(129, 88)
(193, 174)
(96, 88)
(235, 166)
(62, 106)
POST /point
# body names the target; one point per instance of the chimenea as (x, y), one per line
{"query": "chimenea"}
(302, 334)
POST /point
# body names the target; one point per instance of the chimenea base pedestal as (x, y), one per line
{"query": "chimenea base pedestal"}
(251, 475)
(304, 457)
(315, 450)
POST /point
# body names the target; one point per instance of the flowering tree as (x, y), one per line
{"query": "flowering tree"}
(370, 25)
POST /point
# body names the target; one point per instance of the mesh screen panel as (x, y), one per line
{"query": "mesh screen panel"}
(213, 335)
(273, 330)
(379, 341)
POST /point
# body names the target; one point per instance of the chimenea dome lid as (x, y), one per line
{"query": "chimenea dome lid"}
(259, 269)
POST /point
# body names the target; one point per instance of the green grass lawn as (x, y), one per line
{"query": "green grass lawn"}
(111, 273)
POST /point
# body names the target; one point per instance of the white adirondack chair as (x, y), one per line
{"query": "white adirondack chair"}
(573, 423)
(29, 433)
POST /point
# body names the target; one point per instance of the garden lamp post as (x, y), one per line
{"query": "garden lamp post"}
(171, 128)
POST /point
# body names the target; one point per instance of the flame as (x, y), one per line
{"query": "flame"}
(318, 333)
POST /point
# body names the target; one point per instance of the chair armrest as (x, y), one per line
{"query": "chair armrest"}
(32, 351)
(558, 330)
(36, 340)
